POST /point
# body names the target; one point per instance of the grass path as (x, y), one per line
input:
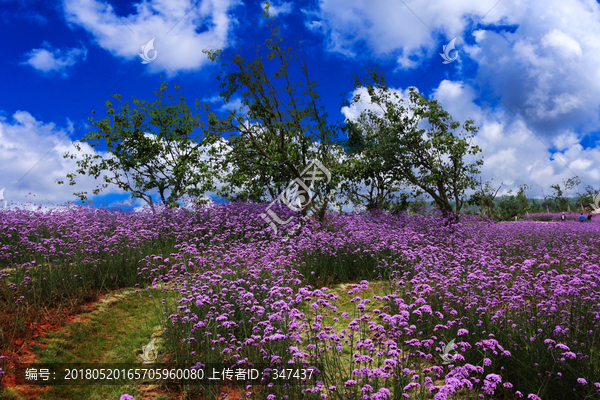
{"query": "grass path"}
(117, 326)
(113, 331)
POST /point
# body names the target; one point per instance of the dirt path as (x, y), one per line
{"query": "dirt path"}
(112, 329)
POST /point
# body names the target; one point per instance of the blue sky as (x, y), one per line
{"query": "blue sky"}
(527, 73)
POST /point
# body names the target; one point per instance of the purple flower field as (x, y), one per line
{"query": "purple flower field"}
(371, 301)
(569, 216)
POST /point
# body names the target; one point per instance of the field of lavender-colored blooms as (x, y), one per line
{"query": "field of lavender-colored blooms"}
(569, 216)
(371, 301)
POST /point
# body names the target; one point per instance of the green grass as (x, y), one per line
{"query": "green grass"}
(342, 364)
(113, 333)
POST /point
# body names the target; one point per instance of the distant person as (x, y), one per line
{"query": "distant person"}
(590, 217)
(562, 217)
(582, 218)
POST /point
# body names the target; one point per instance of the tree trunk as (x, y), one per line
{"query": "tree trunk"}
(323, 209)
(152, 206)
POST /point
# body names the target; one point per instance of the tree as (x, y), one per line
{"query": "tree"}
(587, 197)
(278, 132)
(535, 206)
(368, 181)
(570, 184)
(241, 180)
(558, 197)
(522, 199)
(508, 206)
(547, 201)
(511, 205)
(484, 198)
(419, 205)
(150, 148)
(430, 159)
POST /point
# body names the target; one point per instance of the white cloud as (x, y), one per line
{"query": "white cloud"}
(175, 25)
(388, 27)
(365, 103)
(35, 149)
(24, 141)
(540, 57)
(563, 44)
(234, 104)
(546, 70)
(512, 153)
(47, 59)
(278, 9)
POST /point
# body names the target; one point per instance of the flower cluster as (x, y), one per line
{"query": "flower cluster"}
(374, 301)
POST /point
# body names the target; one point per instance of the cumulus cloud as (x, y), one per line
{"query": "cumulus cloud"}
(539, 57)
(512, 152)
(545, 71)
(354, 111)
(34, 150)
(279, 9)
(234, 104)
(386, 27)
(182, 29)
(48, 60)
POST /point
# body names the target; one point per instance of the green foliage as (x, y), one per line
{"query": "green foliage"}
(586, 197)
(281, 127)
(345, 265)
(509, 206)
(402, 205)
(484, 198)
(417, 206)
(166, 159)
(368, 181)
(523, 205)
(558, 197)
(430, 159)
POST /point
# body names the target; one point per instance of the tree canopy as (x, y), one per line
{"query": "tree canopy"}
(149, 147)
(417, 143)
(281, 128)
(280, 134)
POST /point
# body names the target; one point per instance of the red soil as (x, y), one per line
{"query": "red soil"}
(22, 347)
